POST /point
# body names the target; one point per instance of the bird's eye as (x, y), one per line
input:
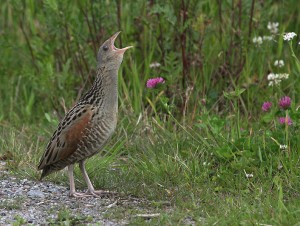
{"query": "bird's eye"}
(105, 48)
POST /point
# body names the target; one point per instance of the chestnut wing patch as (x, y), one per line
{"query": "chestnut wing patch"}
(68, 136)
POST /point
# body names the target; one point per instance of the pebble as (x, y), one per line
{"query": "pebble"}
(39, 203)
(36, 194)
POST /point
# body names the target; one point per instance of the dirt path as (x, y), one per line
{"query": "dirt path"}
(32, 202)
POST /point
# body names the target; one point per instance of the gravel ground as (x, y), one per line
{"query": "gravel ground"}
(34, 202)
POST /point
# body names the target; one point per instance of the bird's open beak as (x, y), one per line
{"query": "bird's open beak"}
(117, 50)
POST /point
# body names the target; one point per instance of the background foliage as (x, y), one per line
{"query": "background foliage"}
(193, 140)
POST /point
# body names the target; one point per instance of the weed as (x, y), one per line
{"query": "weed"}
(64, 217)
(12, 204)
(19, 221)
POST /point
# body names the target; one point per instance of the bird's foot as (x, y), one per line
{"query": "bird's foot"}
(79, 195)
(92, 193)
(100, 193)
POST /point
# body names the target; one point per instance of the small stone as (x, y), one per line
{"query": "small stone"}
(23, 181)
(36, 194)
(52, 190)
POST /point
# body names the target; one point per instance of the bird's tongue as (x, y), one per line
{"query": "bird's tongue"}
(120, 51)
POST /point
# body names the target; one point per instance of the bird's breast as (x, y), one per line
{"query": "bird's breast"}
(101, 129)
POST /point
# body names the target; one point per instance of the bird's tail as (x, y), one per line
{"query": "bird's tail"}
(46, 171)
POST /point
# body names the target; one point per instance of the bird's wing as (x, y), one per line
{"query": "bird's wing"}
(68, 136)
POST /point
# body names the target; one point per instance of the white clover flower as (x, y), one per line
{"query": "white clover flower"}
(289, 36)
(206, 163)
(273, 27)
(271, 76)
(275, 79)
(267, 38)
(276, 82)
(279, 63)
(248, 175)
(283, 146)
(257, 40)
(154, 65)
(283, 76)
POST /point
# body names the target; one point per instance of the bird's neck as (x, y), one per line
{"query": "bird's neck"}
(110, 89)
(104, 91)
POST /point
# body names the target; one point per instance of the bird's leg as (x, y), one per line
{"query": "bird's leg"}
(73, 192)
(91, 190)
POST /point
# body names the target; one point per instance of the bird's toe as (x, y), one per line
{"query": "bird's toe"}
(100, 193)
(79, 195)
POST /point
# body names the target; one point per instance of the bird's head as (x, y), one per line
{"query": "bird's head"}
(110, 56)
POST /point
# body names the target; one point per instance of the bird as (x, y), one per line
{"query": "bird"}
(89, 124)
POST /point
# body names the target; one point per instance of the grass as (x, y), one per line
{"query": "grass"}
(12, 204)
(64, 217)
(198, 146)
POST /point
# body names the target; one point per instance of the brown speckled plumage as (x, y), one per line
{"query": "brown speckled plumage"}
(90, 123)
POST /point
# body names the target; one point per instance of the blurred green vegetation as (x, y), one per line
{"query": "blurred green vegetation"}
(48, 51)
(194, 140)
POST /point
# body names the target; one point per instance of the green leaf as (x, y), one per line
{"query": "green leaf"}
(224, 152)
(268, 117)
(52, 4)
(47, 116)
(233, 94)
